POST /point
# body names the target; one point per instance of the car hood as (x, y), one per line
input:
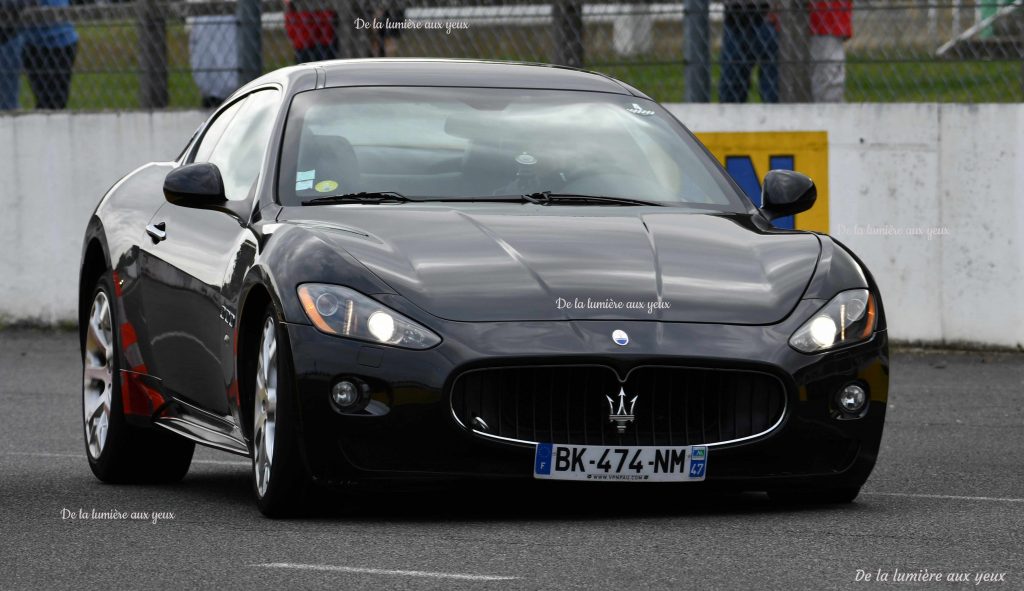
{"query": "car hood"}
(533, 263)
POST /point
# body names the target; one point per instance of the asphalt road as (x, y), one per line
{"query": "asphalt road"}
(946, 496)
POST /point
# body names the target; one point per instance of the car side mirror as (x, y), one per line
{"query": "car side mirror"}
(200, 186)
(786, 193)
(195, 185)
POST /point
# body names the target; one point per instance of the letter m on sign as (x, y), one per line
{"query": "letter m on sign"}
(742, 170)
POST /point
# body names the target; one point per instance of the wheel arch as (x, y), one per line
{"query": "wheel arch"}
(257, 296)
(94, 264)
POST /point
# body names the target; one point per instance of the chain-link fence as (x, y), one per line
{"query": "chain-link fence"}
(156, 53)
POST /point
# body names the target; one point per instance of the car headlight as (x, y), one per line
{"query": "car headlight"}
(848, 318)
(345, 312)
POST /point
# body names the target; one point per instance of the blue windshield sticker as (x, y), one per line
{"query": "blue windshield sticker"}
(305, 175)
(303, 185)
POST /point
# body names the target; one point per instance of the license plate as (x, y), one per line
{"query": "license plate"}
(620, 463)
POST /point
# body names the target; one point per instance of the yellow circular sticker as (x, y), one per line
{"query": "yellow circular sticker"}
(326, 186)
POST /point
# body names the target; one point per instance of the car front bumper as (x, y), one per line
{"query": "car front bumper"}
(419, 437)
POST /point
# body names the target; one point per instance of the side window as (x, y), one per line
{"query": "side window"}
(239, 151)
(216, 130)
(188, 144)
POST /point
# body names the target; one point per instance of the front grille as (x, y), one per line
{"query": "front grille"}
(569, 404)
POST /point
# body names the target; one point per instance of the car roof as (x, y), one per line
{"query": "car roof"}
(455, 72)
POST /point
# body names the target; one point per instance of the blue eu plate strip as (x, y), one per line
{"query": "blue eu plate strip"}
(543, 460)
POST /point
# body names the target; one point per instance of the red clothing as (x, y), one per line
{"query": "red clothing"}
(832, 18)
(308, 28)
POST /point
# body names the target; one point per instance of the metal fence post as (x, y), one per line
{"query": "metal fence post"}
(152, 55)
(250, 49)
(1020, 34)
(697, 51)
(794, 52)
(567, 17)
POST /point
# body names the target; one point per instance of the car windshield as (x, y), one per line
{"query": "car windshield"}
(480, 143)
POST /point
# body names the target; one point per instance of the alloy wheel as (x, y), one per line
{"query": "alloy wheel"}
(265, 415)
(98, 378)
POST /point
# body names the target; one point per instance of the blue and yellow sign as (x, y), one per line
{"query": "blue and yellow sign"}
(748, 156)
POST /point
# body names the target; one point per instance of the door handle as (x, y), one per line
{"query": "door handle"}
(158, 232)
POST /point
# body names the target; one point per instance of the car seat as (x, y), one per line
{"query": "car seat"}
(334, 164)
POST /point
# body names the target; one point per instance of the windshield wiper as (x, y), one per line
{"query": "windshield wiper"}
(547, 198)
(361, 197)
(540, 198)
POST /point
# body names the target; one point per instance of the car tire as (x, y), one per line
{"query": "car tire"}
(280, 481)
(825, 496)
(117, 451)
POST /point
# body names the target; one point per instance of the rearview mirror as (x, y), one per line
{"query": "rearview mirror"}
(786, 193)
(467, 127)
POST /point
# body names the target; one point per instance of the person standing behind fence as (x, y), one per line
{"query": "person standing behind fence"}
(831, 26)
(384, 41)
(213, 54)
(49, 57)
(749, 38)
(11, 44)
(311, 31)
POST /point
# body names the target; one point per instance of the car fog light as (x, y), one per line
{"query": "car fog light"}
(852, 399)
(345, 394)
(381, 326)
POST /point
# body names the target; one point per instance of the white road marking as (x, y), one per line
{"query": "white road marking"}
(382, 571)
(946, 497)
(45, 454)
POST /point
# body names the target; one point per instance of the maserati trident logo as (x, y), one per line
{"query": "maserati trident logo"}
(621, 417)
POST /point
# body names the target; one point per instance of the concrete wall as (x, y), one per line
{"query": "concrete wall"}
(930, 196)
(53, 170)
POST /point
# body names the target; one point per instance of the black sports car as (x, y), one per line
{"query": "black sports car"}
(363, 271)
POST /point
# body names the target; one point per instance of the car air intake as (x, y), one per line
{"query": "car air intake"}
(575, 404)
